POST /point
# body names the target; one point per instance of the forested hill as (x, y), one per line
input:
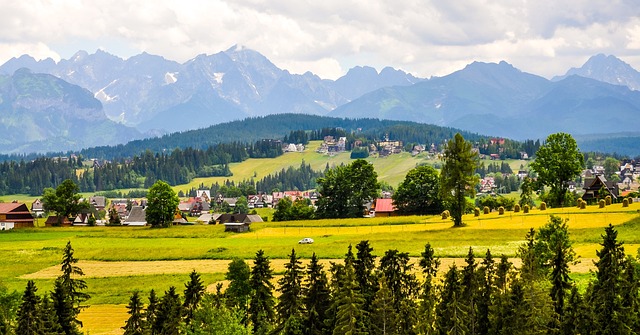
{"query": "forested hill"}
(277, 127)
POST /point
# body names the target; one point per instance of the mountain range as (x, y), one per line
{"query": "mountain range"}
(147, 94)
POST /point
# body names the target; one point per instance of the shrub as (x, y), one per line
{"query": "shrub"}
(500, 210)
(625, 203)
(516, 208)
(476, 211)
(543, 206)
(601, 203)
(486, 210)
(607, 200)
(525, 209)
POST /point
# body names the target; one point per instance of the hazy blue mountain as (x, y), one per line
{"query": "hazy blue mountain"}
(360, 80)
(40, 112)
(608, 69)
(498, 99)
(150, 92)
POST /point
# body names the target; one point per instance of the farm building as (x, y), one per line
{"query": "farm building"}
(238, 222)
(208, 217)
(52, 221)
(136, 217)
(384, 207)
(16, 213)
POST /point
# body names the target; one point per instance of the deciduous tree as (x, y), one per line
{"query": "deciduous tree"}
(64, 200)
(162, 204)
(557, 162)
(419, 192)
(344, 190)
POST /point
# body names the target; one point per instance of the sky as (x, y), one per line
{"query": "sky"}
(424, 37)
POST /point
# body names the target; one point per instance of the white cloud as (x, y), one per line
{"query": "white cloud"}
(423, 37)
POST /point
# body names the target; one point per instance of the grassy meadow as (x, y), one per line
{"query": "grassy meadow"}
(391, 169)
(120, 260)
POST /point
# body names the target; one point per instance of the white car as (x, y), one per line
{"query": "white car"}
(306, 240)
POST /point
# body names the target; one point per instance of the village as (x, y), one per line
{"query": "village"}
(203, 208)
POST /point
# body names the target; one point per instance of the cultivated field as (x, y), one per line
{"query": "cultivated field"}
(120, 260)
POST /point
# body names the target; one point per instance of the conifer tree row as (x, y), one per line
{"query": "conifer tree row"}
(485, 296)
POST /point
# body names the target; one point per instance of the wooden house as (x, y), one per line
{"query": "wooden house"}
(16, 213)
(598, 187)
(238, 222)
(52, 221)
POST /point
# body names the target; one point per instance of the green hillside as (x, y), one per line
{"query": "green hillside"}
(391, 169)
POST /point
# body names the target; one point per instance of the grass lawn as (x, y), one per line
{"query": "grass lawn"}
(119, 260)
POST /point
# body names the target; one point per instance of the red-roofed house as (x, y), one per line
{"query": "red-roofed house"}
(17, 213)
(385, 207)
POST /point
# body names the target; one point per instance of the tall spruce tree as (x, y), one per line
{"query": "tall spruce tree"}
(72, 285)
(397, 270)
(611, 316)
(557, 253)
(577, 317)
(470, 292)
(238, 292)
(502, 273)
(487, 273)
(151, 312)
(364, 266)
(317, 298)
(384, 317)
(349, 302)
(532, 264)
(135, 322)
(169, 314)
(457, 177)
(290, 304)
(193, 292)
(630, 289)
(451, 314)
(63, 306)
(509, 316)
(428, 298)
(50, 322)
(337, 274)
(29, 320)
(261, 305)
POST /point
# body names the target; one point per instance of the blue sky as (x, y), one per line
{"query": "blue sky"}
(426, 38)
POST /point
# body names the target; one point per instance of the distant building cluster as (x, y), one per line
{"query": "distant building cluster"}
(330, 146)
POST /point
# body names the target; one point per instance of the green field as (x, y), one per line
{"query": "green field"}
(119, 260)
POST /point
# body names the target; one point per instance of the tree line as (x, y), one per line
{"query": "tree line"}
(177, 167)
(367, 294)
